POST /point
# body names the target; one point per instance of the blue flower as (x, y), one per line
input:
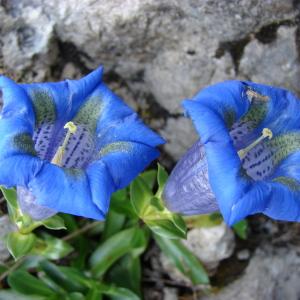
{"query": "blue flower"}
(247, 160)
(68, 146)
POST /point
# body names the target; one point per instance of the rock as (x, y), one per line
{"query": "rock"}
(211, 244)
(273, 273)
(161, 50)
(170, 294)
(243, 254)
(5, 228)
(26, 39)
(275, 63)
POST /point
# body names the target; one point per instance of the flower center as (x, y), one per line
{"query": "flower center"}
(58, 156)
(266, 133)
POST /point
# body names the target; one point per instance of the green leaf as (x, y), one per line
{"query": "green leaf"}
(69, 279)
(54, 223)
(115, 291)
(20, 244)
(140, 196)
(114, 223)
(75, 296)
(162, 177)
(129, 240)
(121, 204)
(25, 283)
(13, 295)
(149, 178)
(185, 261)
(51, 247)
(163, 222)
(10, 196)
(94, 292)
(126, 273)
(241, 229)
(209, 220)
(166, 228)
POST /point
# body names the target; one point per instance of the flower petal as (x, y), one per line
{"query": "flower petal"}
(66, 190)
(118, 122)
(188, 190)
(125, 160)
(239, 195)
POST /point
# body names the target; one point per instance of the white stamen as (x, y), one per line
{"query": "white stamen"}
(266, 133)
(57, 159)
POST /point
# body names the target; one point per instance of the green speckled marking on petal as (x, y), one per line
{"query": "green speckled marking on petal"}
(289, 182)
(44, 106)
(284, 145)
(74, 172)
(115, 147)
(256, 113)
(229, 117)
(24, 142)
(89, 113)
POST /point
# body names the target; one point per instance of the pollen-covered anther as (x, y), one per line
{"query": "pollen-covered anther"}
(252, 94)
(266, 133)
(58, 157)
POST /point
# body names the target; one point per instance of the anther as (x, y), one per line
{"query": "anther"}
(266, 133)
(57, 159)
(252, 94)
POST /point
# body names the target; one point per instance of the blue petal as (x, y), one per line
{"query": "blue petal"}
(118, 122)
(16, 127)
(125, 160)
(68, 95)
(69, 191)
(188, 190)
(237, 194)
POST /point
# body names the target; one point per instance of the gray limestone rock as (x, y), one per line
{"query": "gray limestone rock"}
(275, 63)
(273, 273)
(162, 50)
(210, 245)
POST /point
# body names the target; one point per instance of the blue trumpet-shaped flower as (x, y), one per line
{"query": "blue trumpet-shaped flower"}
(68, 146)
(247, 159)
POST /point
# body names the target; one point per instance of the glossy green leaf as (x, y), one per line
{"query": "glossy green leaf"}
(166, 229)
(115, 291)
(121, 204)
(13, 295)
(185, 261)
(209, 220)
(132, 240)
(27, 284)
(163, 222)
(241, 229)
(162, 177)
(20, 244)
(54, 223)
(51, 247)
(140, 196)
(69, 279)
(10, 196)
(149, 178)
(114, 223)
(75, 296)
(94, 292)
(126, 273)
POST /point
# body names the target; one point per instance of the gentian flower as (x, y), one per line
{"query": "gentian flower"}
(247, 159)
(68, 146)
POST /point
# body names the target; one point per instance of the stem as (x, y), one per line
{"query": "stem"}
(80, 231)
(12, 268)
